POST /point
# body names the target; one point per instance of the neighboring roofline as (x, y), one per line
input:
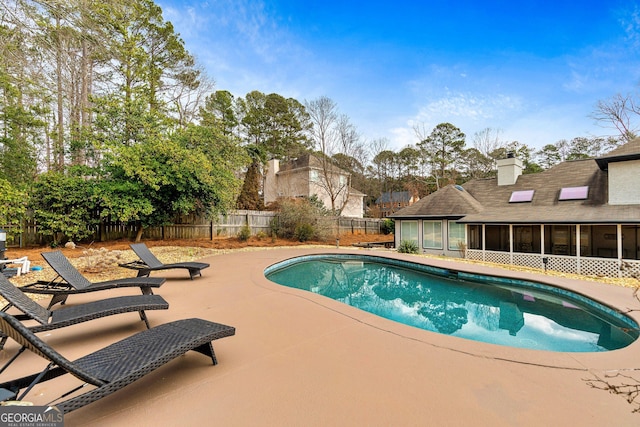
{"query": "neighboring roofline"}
(603, 162)
(426, 216)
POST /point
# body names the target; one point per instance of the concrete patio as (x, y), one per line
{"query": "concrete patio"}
(300, 359)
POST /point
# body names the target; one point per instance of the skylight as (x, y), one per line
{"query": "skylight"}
(521, 196)
(574, 193)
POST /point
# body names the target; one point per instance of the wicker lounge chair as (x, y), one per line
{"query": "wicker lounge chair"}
(72, 315)
(148, 263)
(69, 281)
(113, 367)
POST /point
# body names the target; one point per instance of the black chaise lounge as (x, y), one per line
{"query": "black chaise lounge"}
(113, 367)
(47, 320)
(148, 263)
(69, 281)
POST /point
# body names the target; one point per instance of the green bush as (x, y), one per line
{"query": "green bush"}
(299, 219)
(408, 247)
(304, 232)
(388, 226)
(244, 233)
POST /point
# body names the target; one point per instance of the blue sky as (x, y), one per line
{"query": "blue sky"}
(534, 70)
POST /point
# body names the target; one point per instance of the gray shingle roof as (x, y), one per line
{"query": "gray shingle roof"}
(451, 201)
(628, 151)
(483, 201)
(395, 196)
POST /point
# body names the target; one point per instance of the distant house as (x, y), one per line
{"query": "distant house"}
(579, 216)
(393, 201)
(307, 176)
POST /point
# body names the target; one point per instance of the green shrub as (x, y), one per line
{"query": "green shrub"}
(388, 226)
(244, 233)
(304, 232)
(408, 247)
(301, 220)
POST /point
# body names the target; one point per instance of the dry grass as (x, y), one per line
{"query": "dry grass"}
(99, 261)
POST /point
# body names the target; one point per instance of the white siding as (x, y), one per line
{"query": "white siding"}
(623, 183)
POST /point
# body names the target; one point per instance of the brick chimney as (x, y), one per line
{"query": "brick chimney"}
(509, 170)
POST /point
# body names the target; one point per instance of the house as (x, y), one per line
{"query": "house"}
(392, 201)
(579, 216)
(307, 176)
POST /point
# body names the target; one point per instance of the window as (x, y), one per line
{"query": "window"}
(409, 231)
(521, 196)
(432, 234)
(574, 193)
(456, 236)
(313, 176)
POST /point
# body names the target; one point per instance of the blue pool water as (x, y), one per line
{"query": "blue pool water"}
(491, 309)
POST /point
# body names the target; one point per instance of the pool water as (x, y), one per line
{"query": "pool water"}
(482, 308)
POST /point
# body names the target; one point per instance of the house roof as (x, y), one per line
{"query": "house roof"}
(451, 201)
(628, 151)
(483, 201)
(394, 196)
(309, 161)
(354, 192)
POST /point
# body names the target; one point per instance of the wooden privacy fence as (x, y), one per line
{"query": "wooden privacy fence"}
(193, 227)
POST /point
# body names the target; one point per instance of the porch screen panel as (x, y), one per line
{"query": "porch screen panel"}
(432, 234)
(605, 241)
(560, 239)
(456, 236)
(409, 231)
(526, 238)
(475, 236)
(497, 237)
(586, 241)
(631, 241)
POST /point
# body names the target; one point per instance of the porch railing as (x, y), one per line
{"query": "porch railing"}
(589, 266)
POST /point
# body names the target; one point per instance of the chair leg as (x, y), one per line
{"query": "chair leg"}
(59, 298)
(143, 273)
(207, 350)
(143, 317)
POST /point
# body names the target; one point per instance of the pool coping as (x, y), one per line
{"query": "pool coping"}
(617, 297)
(457, 274)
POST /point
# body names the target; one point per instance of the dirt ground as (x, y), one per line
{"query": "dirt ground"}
(33, 253)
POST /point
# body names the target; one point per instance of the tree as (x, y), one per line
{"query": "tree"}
(586, 148)
(13, 207)
(549, 156)
(272, 127)
(620, 112)
(174, 176)
(487, 144)
(64, 206)
(524, 153)
(333, 134)
(442, 148)
(221, 111)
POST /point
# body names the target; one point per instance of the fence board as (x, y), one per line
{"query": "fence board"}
(193, 227)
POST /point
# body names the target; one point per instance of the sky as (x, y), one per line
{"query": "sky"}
(532, 71)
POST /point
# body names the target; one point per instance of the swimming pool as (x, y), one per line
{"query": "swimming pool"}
(484, 308)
